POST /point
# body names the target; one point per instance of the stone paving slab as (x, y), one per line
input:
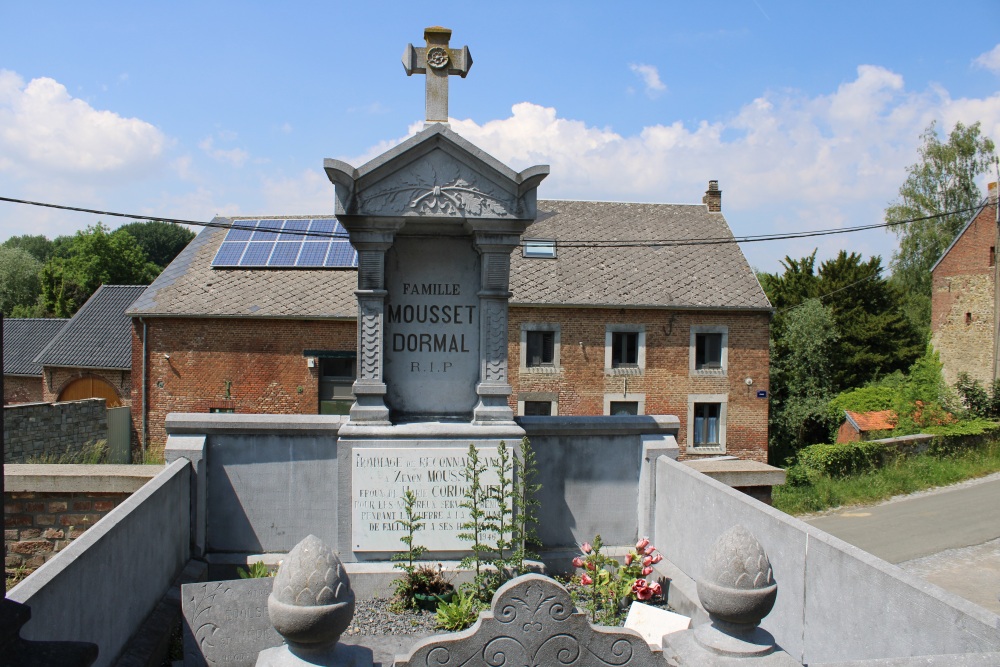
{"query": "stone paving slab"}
(971, 572)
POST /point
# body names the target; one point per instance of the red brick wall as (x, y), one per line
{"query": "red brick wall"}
(666, 380)
(38, 525)
(261, 359)
(962, 306)
(21, 389)
(56, 379)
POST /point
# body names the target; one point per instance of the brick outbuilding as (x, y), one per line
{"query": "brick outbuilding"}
(963, 300)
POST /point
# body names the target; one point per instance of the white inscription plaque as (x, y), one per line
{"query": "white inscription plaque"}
(435, 475)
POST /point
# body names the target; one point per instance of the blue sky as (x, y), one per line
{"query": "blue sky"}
(807, 113)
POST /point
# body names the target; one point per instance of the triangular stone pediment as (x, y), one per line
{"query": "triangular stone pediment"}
(435, 174)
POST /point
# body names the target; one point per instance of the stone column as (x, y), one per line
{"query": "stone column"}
(369, 387)
(494, 294)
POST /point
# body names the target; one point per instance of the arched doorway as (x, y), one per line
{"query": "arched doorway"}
(90, 387)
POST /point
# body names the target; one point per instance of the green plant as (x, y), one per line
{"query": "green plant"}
(476, 524)
(92, 452)
(425, 580)
(846, 458)
(525, 507)
(415, 579)
(611, 585)
(461, 612)
(257, 570)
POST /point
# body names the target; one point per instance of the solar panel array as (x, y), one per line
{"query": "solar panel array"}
(283, 244)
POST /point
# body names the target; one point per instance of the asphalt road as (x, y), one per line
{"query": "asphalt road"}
(949, 537)
(922, 524)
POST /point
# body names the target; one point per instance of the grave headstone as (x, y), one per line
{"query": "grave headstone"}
(434, 221)
(532, 621)
(434, 474)
(226, 622)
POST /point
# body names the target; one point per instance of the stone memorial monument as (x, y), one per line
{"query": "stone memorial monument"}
(434, 221)
(532, 621)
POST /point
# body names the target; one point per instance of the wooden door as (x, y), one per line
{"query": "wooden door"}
(90, 387)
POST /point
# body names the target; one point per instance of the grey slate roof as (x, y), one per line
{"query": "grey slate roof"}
(23, 339)
(190, 286)
(687, 276)
(99, 335)
(684, 276)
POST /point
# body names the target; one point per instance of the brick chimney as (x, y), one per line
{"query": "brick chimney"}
(713, 197)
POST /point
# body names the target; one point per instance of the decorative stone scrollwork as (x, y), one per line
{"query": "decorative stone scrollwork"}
(371, 341)
(437, 185)
(532, 622)
(496, 342)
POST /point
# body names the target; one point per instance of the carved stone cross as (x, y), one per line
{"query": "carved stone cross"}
(436, 61)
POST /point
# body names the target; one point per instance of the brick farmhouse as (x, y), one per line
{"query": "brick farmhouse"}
(963, 300)
(677, 327)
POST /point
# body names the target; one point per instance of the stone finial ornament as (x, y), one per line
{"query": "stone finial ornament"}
(311, 605)
(737, 590)
(738, 587)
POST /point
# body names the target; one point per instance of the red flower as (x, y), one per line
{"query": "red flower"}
(657, 558)
(586, 547)
(629, 557)
(646, 571)
(647, 560)
(649, 550)
(577, 562)
(589, 566)
(641, 544)
(586, 580)
(656, 588)
(641, 590)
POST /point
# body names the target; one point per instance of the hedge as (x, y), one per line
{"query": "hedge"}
(847, 458)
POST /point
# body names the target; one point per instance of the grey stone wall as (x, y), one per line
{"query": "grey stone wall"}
(103, 585)
(267, 481)
(36, 429)
(835, 602)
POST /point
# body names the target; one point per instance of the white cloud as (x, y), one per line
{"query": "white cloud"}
(990, 60)
(237, 157)
(310, 193)
(650, 78)
(43, 129)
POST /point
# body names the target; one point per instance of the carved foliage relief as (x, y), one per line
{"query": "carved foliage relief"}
(436, 185)
(533, 623)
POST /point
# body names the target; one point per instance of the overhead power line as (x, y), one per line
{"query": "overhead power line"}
(636, 243)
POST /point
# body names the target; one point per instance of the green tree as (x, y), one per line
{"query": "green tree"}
(162, 241)
(92, 258)
(874, 338)
(37, 246)
(19, 280)
(942, 180)
(801, 382)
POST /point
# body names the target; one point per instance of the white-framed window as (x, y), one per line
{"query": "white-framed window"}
(538, 404)
(709, 350)
(624, 349)
(539, 347)
(625, 404)
(706, 423)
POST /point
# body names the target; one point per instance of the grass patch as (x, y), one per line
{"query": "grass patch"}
(815, 492)
(93, 452)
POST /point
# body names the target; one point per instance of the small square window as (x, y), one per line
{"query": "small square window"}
(336, 380)
(541, 348)
(538, 408)
(708, 351)
(706, 425)
(624, 408)
(624, 349)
